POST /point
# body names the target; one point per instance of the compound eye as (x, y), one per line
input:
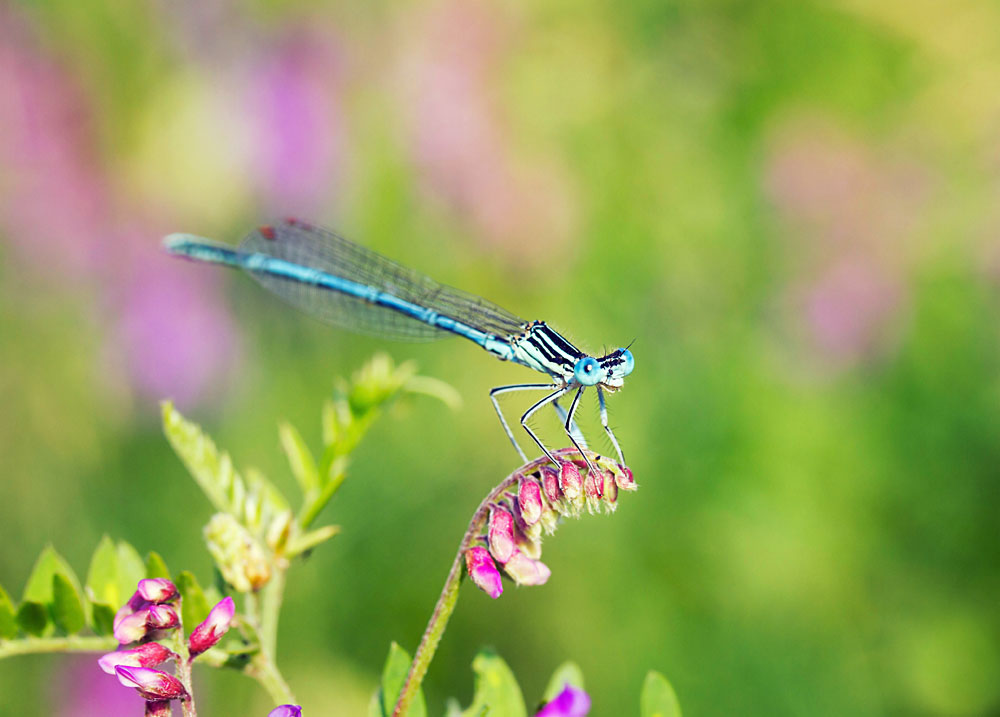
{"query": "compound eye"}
(629, 362)
(587, 371)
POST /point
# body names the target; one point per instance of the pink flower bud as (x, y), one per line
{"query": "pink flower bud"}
(624, 478)
(550, 483)
(570, 481)
(149, 655)
(483, 571)
(209, 632)
(153, 685)
(162, 617)
(571, 702)
(131, 627)
(156, 590)
(593, 484)
(610, 489)
(529, 498)
(525, 571)
(286, 711)
(500, 535)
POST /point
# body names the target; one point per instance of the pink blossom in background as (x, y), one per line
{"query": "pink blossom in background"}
(850, 212)
(164, 323)
(52, 194)
(461, 148)
(848, 307)
(170, 327)
(294, 97)
(85, 691)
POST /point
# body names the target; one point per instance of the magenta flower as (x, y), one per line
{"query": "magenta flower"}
(295, 101)
(529, 500)
(571, 702)
(570, 480)
(162, 617)
(153, 685)
(286, 711)
(211, 630)
(483, 571)
(131, 627)
(156, 590)
(150, 654)
(550, 482)
(500, 535)
(465, 156)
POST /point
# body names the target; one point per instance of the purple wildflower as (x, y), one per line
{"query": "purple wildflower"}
(286, 711)
(500, 535)
(570, 702)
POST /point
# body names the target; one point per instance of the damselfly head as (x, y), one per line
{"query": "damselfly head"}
(615, 367)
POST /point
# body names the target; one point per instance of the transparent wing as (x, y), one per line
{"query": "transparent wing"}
(317, 248)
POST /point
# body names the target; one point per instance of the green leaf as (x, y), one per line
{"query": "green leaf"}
(131, 569)
(497, 692)
(39, 587)
(102, 576)
(435, 388)
(102, 618)
(8, 617)
(302, 463)
(156, 567)
(213, 471)
(310, 540)
(67, 608)
(568, 673)
(33, 618)
(331, 426)
(658, 698)
(194, 605)
(397, 665)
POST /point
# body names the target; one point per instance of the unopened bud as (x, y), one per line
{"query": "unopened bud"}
(153, 685)
(483, 571)
(570, 481)
(131, 627)
(156, 590)
(162, 617)
(241, 560)
(500, 535)
(150, 654)
(550, 484)
(286, 711)
(624, 478)
(529, 498)
(211, 630)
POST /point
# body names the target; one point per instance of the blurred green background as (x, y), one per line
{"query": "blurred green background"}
(790, 206)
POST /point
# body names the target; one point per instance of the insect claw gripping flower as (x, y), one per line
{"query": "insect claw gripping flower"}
(530, 502)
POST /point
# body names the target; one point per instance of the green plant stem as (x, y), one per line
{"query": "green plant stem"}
(449, 594)
(71, 643)
(263, 611)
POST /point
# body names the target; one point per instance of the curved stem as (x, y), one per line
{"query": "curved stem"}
(449, 593)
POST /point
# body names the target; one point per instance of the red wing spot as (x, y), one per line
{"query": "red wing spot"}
(294, 222)
(267, 231)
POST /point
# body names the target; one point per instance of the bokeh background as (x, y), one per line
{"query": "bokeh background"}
(791, 206)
